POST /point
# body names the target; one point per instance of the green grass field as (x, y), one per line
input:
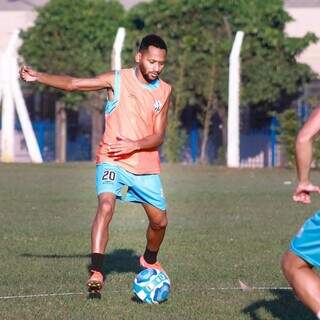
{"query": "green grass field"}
(224, 225)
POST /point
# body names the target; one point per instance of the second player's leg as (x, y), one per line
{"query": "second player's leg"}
(303, 279)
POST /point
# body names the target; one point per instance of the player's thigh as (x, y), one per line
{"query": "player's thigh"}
(108, 179)
(291, 260)
(147, 189)
(306, 243)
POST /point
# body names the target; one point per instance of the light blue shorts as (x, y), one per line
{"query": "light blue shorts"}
(306, 243)
(142, 188)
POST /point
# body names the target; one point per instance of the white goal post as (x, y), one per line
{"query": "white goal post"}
(233, 142)
(117, 48)
(11, 97)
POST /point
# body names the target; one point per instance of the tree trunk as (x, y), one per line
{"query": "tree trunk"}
(179, 101)
(208, 116)
(173, 144)
(223, 116)
(205, 132)
(61, 132)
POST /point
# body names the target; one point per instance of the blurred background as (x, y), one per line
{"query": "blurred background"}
(279, 84)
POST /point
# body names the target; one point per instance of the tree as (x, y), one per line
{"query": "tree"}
(200, 35)
(290, 124)
(289, 127)
(75, 38)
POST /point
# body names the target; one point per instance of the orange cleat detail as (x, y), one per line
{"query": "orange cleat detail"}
(95, 282)
(146, 265)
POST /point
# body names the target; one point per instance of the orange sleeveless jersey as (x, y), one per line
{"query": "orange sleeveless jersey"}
(131, 114)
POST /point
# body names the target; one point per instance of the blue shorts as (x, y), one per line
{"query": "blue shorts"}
(142, 188)
(306, 243)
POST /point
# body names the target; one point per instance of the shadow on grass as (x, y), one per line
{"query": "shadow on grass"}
(284, 306)
(136, 300)
(119, 260)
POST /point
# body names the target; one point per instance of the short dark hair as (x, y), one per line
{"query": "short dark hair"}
(152, 40)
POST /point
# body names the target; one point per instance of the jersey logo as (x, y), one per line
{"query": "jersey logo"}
(157, 105)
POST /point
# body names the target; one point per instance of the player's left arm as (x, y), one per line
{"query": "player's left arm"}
(126, 146)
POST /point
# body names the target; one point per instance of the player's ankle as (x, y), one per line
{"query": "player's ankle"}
(96, 271)
(150, 256)
(97, 262)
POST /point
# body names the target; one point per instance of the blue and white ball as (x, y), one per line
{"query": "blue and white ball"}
(151, 286)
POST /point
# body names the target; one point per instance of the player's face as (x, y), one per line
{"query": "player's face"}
(151, 62)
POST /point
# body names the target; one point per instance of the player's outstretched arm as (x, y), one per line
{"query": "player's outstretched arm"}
(304, 144)
(66, 82)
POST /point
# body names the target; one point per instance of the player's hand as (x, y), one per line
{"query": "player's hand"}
(122, 147)
(303, 191)
(28, 74)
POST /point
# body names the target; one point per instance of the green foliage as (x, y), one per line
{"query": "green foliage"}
(289, 127)
(73, 37)
(76, 37)
(221, 159)
(200, 34)
(270, 73)
(191, 35)
(175, 142)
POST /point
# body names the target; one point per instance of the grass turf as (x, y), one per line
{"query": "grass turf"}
(224, 225)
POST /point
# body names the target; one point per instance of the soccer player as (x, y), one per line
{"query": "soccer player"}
(304, 255)
(135, 123)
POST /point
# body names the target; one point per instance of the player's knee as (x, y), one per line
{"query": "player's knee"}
(105, 208)
(290, 263)
(159, 223)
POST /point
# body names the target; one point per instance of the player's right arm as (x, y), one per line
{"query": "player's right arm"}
(68, 83)
(304, 145)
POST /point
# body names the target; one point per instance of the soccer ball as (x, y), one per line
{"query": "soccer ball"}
(151, 286)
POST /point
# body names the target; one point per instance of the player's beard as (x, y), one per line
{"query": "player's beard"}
(147, 75)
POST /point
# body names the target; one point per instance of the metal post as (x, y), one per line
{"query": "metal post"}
(12, 94)
(117, 48)
(233, 153)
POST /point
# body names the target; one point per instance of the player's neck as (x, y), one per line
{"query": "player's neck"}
(139, 76)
